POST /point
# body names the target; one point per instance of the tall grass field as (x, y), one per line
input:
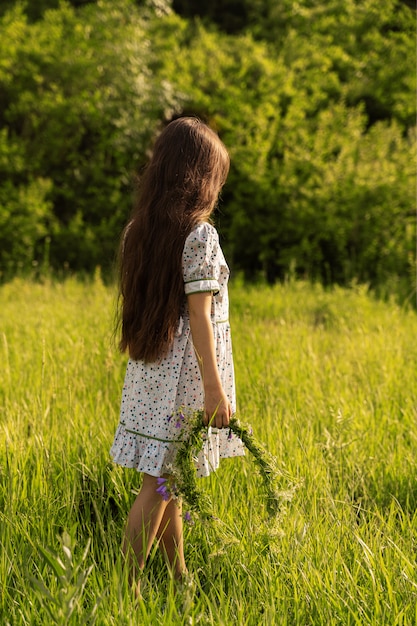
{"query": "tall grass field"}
(328, 382)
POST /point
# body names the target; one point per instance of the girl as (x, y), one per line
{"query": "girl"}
(174, 325)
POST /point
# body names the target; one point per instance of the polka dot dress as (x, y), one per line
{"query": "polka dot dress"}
(158, 398)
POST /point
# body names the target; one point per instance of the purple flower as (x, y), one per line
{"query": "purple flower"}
(164, 493)
(229, 436)
(180, 419)
(163, 489)
(187, 517)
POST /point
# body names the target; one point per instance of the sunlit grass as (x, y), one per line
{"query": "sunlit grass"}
(328, 382)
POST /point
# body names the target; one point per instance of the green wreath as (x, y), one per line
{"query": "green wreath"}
(184, 482)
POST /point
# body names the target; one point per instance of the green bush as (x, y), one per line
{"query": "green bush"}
(313, 188)
(315, 103)
(79, 107)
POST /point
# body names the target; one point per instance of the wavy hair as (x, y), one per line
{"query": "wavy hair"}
(178, 190)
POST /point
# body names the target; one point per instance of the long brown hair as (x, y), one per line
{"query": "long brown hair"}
(178, 190)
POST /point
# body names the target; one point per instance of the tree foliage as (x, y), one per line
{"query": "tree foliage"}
(315, 187)
(78, 112)
(315, 102)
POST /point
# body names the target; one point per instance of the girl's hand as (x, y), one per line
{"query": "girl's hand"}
(217, 409)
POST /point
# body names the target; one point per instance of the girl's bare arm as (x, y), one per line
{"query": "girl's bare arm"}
(215, 401)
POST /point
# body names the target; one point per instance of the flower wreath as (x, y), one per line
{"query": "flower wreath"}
(183, 483)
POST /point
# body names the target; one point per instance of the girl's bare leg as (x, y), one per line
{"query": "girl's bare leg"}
(171, 541)
(143, 522)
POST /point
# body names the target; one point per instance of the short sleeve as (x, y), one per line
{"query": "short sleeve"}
(200, 260)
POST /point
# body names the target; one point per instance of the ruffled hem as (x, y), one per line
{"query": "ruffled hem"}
(157, 458)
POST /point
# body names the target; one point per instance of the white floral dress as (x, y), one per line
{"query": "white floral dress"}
(158, 398)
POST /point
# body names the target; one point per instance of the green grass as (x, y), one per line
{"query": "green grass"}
(328, 382)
